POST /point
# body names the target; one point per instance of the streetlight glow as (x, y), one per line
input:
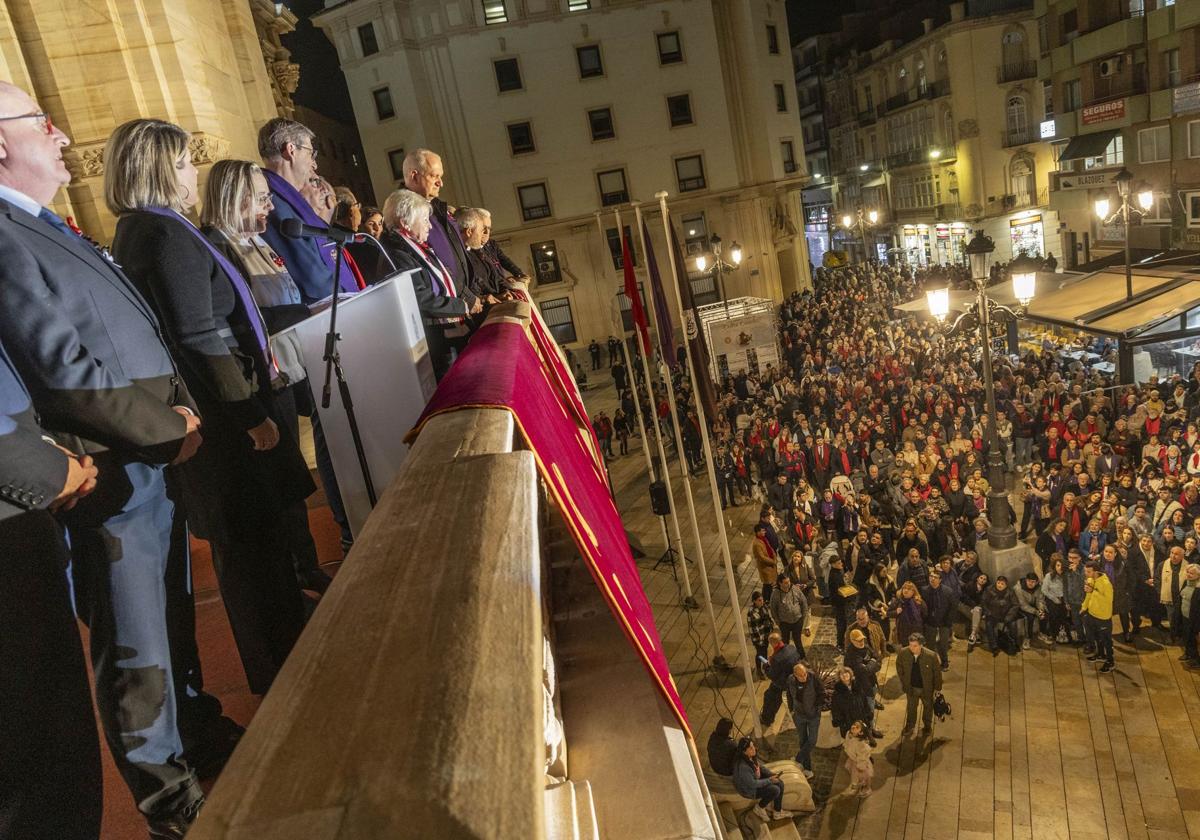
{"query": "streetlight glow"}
(701, 263)
(846, 220)
(873, 216)
(1146, 200)
(864, 167)
(1024, 278)
(1102, 207)
(939, 302)
(735, 253)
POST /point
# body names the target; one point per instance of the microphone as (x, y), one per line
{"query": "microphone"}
(295, 229)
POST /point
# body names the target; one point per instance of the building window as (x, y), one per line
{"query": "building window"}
(1048, 100)
(494, 11)
(545, 262)
(1191, 201)
(1068, 25)
(1171, 68)
(780, 98)
(627, 306)
(670, 48)
(1022, 184)
(680, 110)
(367, 39)
(772, 39)
(1193, 132)
(396, 164)
(508, 74)
(1154, 144)
(614, 246)
(695, 234)
(578, 5)
(384, 110)
(601, 123)
(690, 173)
(613, 189)
(789, 155)
(1114, 155)
(520, 138)
(590, 65)
(535, 202)
(557, 315)
(1072, 96)
(1016, 119)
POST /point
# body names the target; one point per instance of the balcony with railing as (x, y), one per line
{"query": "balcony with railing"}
(933, 90)
(1108, 88)
(1018, 201)
(1011, 137)
(866, 117)
(1015, 71)
(463, 682)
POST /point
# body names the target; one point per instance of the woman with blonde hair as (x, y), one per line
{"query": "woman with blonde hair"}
(908, 610)
(237, 201)
(246, 470)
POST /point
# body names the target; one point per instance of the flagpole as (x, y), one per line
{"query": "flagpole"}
(637, 403)
(735, 603)
(718, 660)
(689, 602)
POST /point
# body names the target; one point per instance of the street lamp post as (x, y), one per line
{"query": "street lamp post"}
(720, 266)
(860, 221)
(1124, 181)
(981, 315)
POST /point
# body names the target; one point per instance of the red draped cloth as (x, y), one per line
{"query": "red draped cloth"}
(507, 367)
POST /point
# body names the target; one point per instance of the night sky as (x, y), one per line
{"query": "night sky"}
(322, 85)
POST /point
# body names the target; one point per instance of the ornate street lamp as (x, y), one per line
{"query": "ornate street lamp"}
(981, 315)
(719, 266)
(1145, 199)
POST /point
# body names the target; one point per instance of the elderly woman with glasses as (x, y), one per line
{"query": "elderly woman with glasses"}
(248, 470)
(445, 309)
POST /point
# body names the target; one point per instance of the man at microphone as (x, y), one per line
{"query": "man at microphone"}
(289, 154)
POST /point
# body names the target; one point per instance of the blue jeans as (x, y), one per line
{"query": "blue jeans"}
(121, 569)
(1024, 447)
(771, 794)
(807, 730)
(1100, 630)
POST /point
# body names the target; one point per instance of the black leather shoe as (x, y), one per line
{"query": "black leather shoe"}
(175, 826)
(315, 580)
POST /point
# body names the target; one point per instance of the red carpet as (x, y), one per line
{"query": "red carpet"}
(223, 675)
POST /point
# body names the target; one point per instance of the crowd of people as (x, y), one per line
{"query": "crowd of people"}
(865, 454)
(151, 393)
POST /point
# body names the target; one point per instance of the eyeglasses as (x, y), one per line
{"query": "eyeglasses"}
(313, 151)
(43, 119)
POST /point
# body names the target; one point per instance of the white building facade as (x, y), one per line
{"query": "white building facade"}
(549, 112)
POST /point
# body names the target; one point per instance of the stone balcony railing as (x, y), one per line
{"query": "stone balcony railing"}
(462, 679)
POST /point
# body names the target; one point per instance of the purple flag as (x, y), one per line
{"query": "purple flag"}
(662, 315)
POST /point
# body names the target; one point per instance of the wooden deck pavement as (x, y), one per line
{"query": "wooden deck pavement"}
(1040, 745)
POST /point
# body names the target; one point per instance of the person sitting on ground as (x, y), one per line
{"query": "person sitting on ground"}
(1000, 612)
(722, 749)
(754, 780)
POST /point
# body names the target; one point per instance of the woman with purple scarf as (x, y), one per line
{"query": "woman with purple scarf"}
(249, 468)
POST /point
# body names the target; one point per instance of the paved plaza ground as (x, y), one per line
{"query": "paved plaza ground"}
(1040, 745)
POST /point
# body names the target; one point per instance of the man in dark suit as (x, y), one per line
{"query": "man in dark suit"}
(920, 678)
(91, 353)
(423, 174)
(50, 780)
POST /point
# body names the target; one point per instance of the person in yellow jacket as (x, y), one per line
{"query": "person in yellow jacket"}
(1097, 614)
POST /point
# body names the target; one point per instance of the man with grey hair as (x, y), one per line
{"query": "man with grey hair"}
(423, 175)
(490, 279)
(289, 154)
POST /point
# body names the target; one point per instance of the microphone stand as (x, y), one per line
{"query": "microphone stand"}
(333, 364)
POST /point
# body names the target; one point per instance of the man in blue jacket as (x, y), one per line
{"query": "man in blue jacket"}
(89, 349)
(50, 780)
(289, 153)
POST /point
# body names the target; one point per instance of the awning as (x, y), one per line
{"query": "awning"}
(1088, 145)
(874, 182)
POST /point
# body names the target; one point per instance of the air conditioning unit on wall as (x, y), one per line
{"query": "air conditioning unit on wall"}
(1111, 66)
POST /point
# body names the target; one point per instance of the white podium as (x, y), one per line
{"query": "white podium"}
(387, 368)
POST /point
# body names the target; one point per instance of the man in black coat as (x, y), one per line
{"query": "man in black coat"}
(90, 351)
(781, 660)
(920, 679)
(939, 620)
(50, 779)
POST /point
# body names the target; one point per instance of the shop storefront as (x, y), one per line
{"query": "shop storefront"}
(917, 241)
(816, 231)
(950, 239)
(1027, 235)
